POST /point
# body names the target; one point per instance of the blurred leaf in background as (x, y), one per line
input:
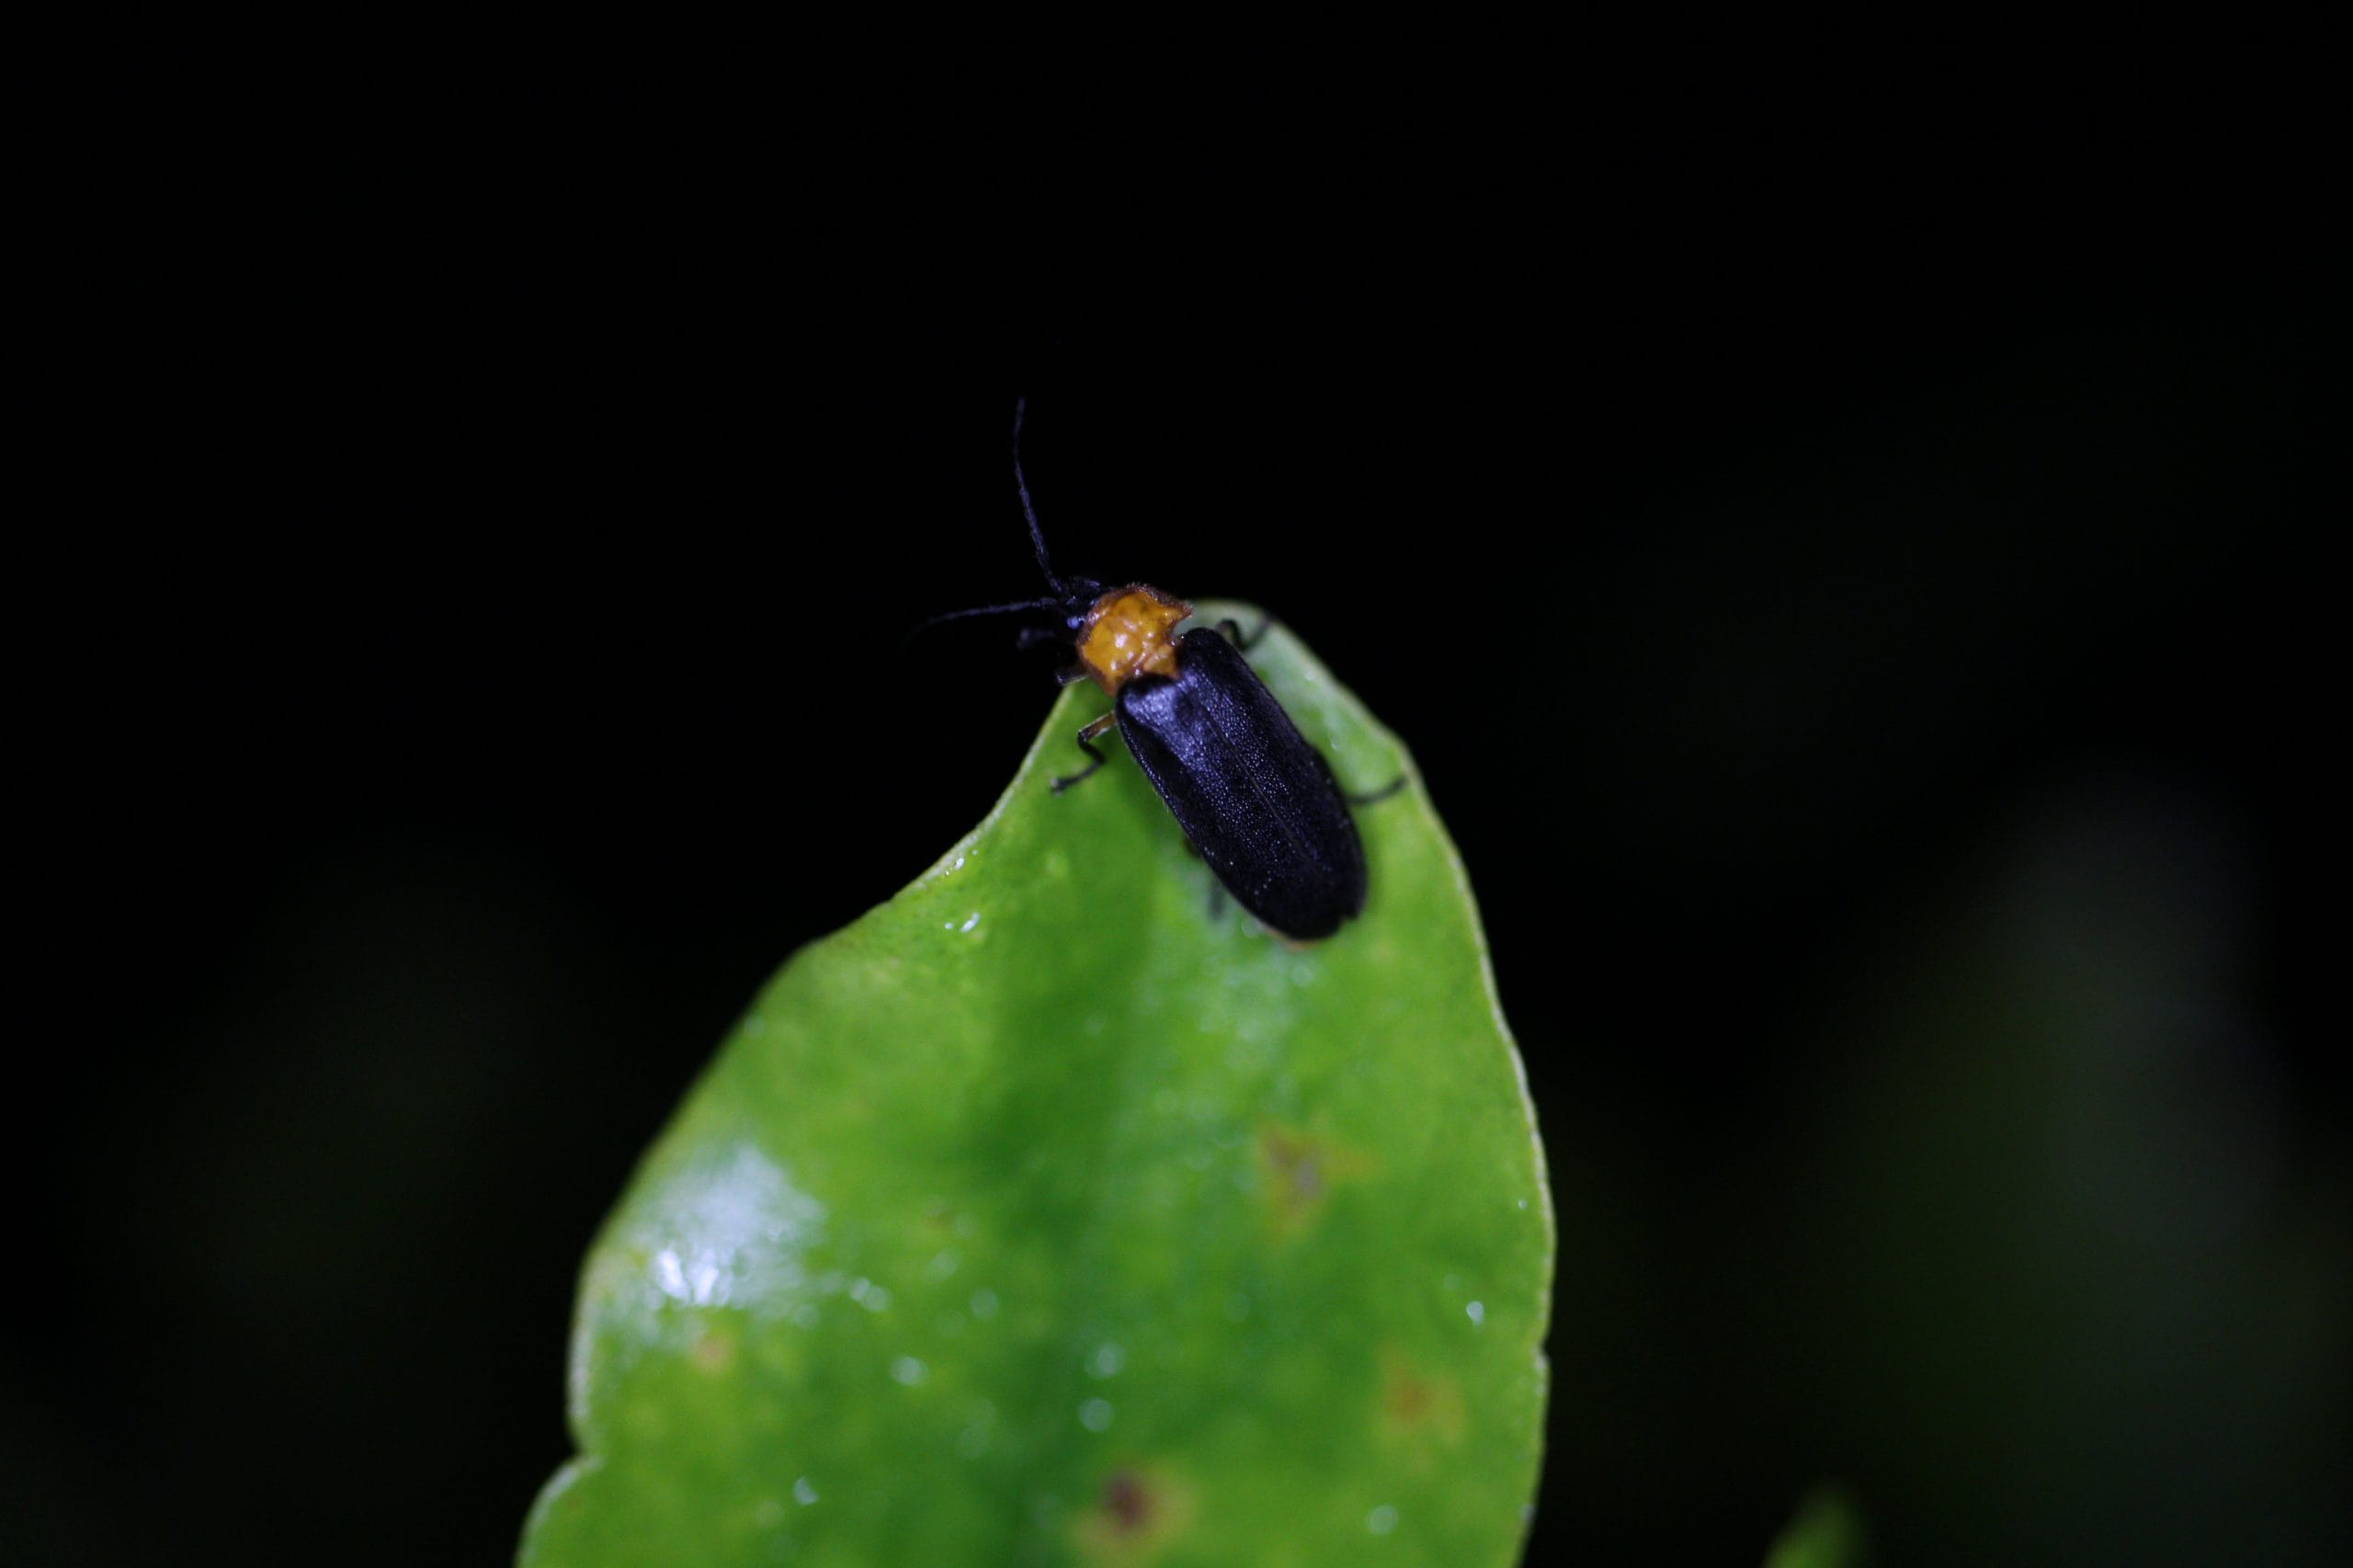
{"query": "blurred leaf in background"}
(1827, 1533)
(2057, 1284)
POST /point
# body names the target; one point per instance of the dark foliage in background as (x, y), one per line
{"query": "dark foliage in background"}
(1837, 514)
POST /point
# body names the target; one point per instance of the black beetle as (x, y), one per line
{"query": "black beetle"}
(1258, 803)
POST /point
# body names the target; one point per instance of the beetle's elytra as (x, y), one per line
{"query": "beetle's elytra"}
(1255, 799)
(1251, 793)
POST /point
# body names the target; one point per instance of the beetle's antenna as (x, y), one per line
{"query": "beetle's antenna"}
(1036, 535)
(1014, 608)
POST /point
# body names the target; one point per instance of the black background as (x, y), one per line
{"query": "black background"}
(1837, 513)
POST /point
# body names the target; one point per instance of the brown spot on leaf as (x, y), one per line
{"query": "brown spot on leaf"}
(1301, 1168)
(1420, 1410)
(1127, 1501)
(1139, 1510)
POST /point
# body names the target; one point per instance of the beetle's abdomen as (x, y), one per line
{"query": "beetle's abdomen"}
(1255, 799)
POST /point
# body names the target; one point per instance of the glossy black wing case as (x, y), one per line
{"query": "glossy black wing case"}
(1256, 800)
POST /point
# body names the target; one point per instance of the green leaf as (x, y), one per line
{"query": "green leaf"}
(1827, 1533)
(1046, 1215)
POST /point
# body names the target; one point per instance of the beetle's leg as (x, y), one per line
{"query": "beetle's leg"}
(1241, 640)
(1070, 675)
(1087, 743)
(1030, 637)
(1370, 796)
